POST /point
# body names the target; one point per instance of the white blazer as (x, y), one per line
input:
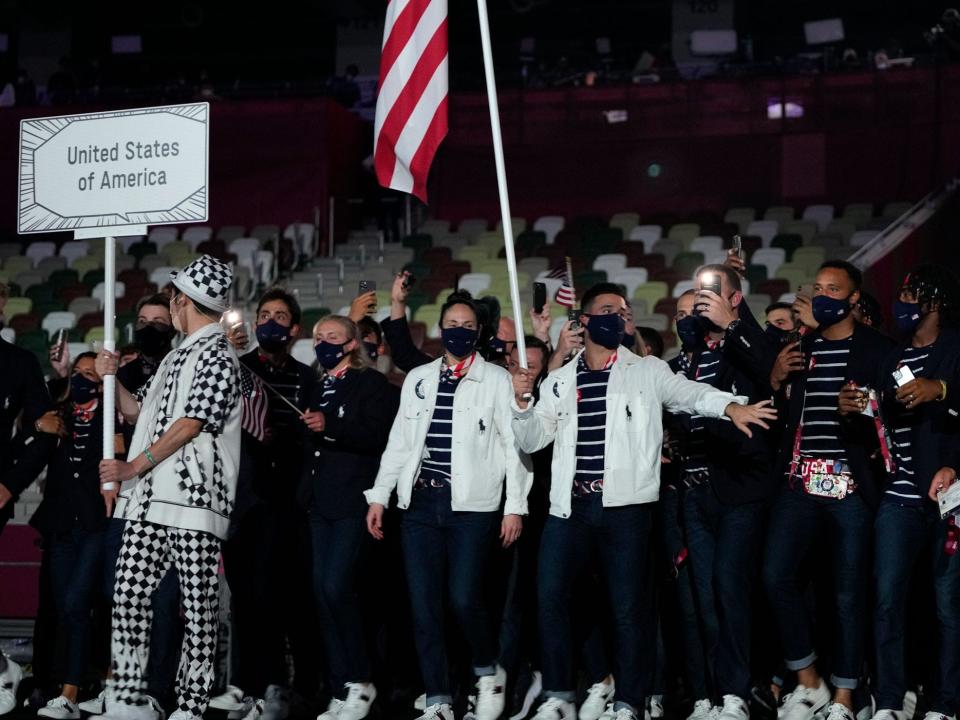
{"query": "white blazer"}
(637, 391)
(483, 447)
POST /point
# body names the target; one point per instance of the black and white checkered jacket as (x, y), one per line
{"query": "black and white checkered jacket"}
(194, 488)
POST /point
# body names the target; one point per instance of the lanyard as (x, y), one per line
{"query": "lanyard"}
(882, 435)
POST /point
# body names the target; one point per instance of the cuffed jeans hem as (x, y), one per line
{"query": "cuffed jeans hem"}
(569, 696)
(803, 663)
(842, 683)
(439, 700)
(893, 706)
(485, 671)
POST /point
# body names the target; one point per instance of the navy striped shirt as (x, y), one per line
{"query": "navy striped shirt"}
(435, 467)
(820, 421)
(82, 420)
(904, 489)
(591, 426)
(707, 371)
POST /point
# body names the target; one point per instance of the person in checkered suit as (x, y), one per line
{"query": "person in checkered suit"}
(176, 493)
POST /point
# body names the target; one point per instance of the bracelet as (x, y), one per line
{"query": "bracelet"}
(150, 459)
(943, 390)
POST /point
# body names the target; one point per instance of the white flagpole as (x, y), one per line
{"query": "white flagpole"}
(109, 381)
(501, 179)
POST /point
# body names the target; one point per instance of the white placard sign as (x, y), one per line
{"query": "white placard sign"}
(127, 167)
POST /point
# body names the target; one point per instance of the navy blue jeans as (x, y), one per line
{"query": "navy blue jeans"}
(617, 539)
(166, 633)
(797, 520)
(723, 541)
(337, 546)
(904, 536)
(681, 591)
(75, 567)
(447, 549)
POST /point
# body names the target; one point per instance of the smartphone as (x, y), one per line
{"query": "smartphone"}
(710, 281)
(902, 375)
(806, 289)
(231, 319)
(367, 286)
(738, 246)
(59, 344)
(408, 281)
(573, 315)
(539, 296)
(793, 336)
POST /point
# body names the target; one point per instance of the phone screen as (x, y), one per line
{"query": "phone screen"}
(539, 296)
(573, 315)
(367, 286)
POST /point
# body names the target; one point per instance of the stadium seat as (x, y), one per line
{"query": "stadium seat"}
(73, 249)
(84, 306)
(37, 251)
(681, 287)
(780, 214)
(98, 333)
(625, 221)
(765, 229)
(894, 210)
(631, 278)
(756, 273)
(99, 290)
(434, 227)
(657, 321)
(17, 264)
(52, 322)
(686, 263)
(517, 223)
(472, 254)
(610, 263)
(18, 306)
(28, 279)
(10, 249)
(163, 235)
(810, 257)
(472, 227)
(647, 234)
(795, 275)
(533, 266)
(669, 249)
(861, 238)
(789, 243)
(684, 233)
(265, 233)
(858, 213)
(550, 225)
(651, 292)
(475, 282)
(822, 215)
(706, 244)
(196, 234)
(741, 216)
(49, 265)
(770, 258)
(844, 228)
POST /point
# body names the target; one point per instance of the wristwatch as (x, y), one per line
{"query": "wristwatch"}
(732, 326)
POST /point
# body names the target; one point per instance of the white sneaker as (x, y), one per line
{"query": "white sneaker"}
(246, 705)
(60, 708)
(555, 709)
(909, 704)
(255, 712)
(701, 710)
(889, 715)
(491, 695)
(183, 715)
(621, 714)
(333, 710)
(360, 697)
(734, 708)
(420, 703)
(938, 716)
(655, 707)
(114, 710)
(276, 703)
(836, 711)
(803, 703)
(598, 697)
(9, 682)
(94, 706)
(471, 712)
(156, 707)
(230, 701)
(438, 711)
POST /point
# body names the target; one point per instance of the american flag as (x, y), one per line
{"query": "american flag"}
(411, 118)
(253, 404)
(566, 295)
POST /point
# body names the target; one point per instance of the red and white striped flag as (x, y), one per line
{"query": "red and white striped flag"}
(411, 118)
(566, 295)
(253, 404)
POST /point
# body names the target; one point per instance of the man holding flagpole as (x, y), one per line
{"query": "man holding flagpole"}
(177, 492)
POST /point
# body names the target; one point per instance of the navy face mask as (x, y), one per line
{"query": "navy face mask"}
(273, 336)
(777, 334)
(829, 311)
(459, 341)
(372, 350)
(606, 330)
(82, 389)
(690, 330)
(329, 354)
(906, 315)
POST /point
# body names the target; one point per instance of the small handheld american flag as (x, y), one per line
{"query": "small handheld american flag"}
(253, 404)
(566, 295)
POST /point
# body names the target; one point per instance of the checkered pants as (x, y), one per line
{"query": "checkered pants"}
(147, 553)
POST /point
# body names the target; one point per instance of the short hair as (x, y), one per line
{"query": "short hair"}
(287, 298)
(538, 344)
(733, 278)
(369, 325)
(870, 309)
(352, 331)
(158, 299)
(651, 337)
(4, 290)
(936, 283)
(778, 306)
(602, 288)
(852, 271)
(459, 297)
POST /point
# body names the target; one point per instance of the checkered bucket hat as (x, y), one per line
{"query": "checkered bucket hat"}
(207, 281)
